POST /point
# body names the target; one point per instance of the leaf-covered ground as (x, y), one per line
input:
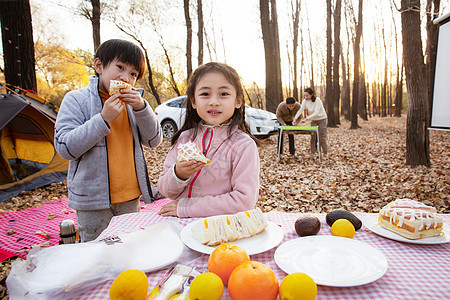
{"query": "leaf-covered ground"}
(365, 170)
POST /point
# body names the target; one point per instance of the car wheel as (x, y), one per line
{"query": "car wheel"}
(262, 137)
(168, 128)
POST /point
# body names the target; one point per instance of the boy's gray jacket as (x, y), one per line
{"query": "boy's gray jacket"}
(80, 136)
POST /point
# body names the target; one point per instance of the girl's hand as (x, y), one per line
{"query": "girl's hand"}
(132, 98)
(303, 121)
(169, 210)
(112, 108)
(185, 169)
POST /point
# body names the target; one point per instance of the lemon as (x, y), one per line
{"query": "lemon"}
(130, 284)
(206, 286)
(298, 286)
(343, 227)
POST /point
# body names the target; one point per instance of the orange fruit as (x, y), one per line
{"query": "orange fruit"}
(224, 259)
(298, 286)
(344, 228)
(253, 280)
(130, 284)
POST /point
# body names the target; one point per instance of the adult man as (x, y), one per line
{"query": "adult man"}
(285, 115)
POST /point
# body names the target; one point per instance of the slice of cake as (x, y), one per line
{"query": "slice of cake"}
(410, 219)
(217, 230)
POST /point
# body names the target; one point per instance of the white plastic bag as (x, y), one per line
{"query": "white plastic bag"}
(66, 271)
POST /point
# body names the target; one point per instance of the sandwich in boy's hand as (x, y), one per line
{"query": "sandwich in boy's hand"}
(190, 151)
(217, 230)
(116, 85)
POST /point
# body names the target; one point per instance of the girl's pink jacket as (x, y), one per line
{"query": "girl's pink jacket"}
(229, 185)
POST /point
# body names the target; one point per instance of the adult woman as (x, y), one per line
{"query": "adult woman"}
(317, 116)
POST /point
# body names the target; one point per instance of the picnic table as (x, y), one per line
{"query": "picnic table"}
(414, 271)
(296, 130)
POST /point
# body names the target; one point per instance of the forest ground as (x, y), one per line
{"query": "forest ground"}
(364, 171)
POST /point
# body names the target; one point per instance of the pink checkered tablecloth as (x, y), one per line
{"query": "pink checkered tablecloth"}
(414, 271)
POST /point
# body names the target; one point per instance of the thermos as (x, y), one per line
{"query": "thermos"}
(68, 232)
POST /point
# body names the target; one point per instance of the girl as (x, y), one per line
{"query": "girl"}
(318, 117)
(215, 123)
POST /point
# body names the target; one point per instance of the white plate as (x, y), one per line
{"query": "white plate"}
(371, 223)
(332, 260)
(266, 240)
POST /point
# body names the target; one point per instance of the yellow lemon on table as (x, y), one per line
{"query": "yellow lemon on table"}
(298, 286)
(206, 286)
(130, 284)
(343, 227)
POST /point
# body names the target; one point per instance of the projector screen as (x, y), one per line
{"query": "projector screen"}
(440, 114)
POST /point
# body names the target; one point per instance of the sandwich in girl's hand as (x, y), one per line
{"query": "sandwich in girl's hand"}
(116, 85)
(217, 230)
(190, 151)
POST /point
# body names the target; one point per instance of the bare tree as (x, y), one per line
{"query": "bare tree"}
(329, 99)
(92, 11)
(417, 136)
(357, 68)
(18, 45)
(188, 39)
(399, 80)
(269, 25)
(311, 84)
(295, 27)
(432, 10)
(336, 57)
(200, 31)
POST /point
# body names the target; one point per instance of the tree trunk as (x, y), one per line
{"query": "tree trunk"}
(311, 82)
(329, 97)
(399, 82)
(357, 71)
(200, 31)
(417, 136)
(336, 57)
(18, 45)
(345, 103)
(295, 22)
(269, 26)
(362, 99)
(188, 40)
(399, 94)
(95, 20)
(431, 48)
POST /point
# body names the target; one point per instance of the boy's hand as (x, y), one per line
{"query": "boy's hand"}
(185, 169)
(169, 210)
(132, 98)
(112, 108)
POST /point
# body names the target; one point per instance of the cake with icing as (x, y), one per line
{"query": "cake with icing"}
(411, 219)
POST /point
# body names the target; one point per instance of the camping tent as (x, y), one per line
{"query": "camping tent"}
(28, 158)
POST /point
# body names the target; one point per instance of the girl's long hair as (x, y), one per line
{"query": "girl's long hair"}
(311, 92)
(192, 117)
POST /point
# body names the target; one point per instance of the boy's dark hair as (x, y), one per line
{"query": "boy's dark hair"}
(311, 92)
(290, 100)
(193, 119)
(123, 51)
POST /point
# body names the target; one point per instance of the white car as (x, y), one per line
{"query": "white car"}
(172, 113)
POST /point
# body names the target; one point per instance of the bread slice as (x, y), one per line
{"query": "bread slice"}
(217, 230)
(116, 85)
(410, 219)
(190, 151)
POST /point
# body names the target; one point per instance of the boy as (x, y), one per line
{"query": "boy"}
(101, 135)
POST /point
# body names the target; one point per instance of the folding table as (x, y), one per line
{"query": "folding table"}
(297, 130)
